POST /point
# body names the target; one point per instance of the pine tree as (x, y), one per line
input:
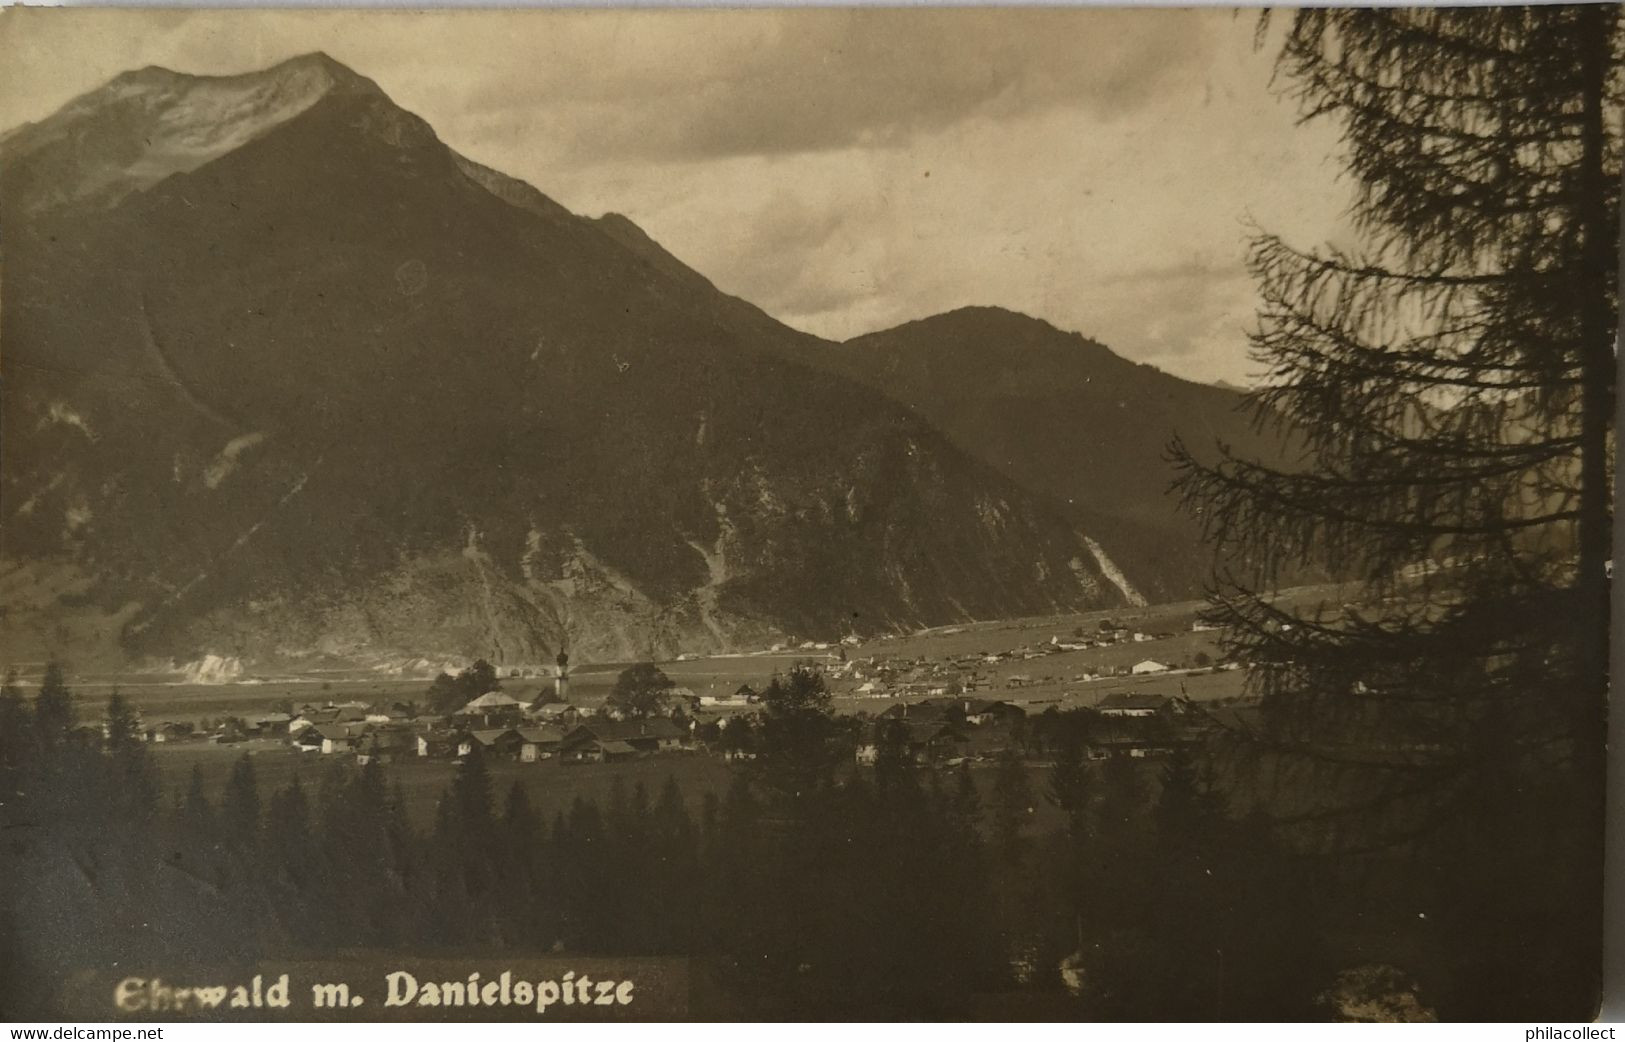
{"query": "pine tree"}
(134, 794)
(675, 864)
(196, 813)
(240, 807)
(1012, 806)
(1187, 809)
(893, 759)
(288, 847)
(53, 711)
(519, 820)
(1068, 787)
(464, 839)
(967, 803)
(1452, 385)
(471, 798)
(16, 738)
(402, 840)
(521, 853)
(799, 736)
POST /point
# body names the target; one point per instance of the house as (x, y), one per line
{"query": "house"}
(439, 744)
(341, 738)
(272, 725)
(329, 714)
(231, 731)
(491, 710)
(503, 742)
(655, 734)
(1121, 704)
(917, 712)
(642, 737)
(394, 713)
(385, 743)
(743, 695)
(539, 743)
(170, 732)
(931, 741)
(559, 713)
(980, 712)
(927, 741)
(588, 749)
(1018, 680)
(1148, 666)
(1140, 730)
(328, 739)
(547, 694)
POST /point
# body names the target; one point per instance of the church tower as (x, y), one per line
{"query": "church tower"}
(561, 687)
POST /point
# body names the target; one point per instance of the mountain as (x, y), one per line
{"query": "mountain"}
(1060, 414)
(1063, 416)
(290, 381)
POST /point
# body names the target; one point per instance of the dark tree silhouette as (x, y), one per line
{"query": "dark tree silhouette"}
(240, 807)
(798, 733)
(1452, 385)
(54, 715)
(892, 754)
(448, 693)
(16, 736)
(133, 792)
(1012, 806)
(641, 690)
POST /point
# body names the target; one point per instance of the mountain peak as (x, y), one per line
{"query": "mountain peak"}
(316, 58)
(318, 63)
(992, 315)
(976, 323)
(146, 124)
(312, 65)
(148, 74)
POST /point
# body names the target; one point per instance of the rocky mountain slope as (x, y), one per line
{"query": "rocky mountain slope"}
(288, 380)
(1063, 416)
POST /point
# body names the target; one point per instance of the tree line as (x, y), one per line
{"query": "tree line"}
(805, 889)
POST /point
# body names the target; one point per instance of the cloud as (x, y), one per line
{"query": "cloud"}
(792, 81)
(845, 169)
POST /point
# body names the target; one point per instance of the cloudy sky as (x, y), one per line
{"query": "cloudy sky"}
(844, 169)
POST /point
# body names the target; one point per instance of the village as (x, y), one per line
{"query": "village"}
(1144, 692)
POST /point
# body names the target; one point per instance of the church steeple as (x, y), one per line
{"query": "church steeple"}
(561, 686)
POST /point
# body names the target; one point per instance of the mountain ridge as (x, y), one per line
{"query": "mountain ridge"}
(340, 392)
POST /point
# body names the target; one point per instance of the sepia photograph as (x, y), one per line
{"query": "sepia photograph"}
(781, 515)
